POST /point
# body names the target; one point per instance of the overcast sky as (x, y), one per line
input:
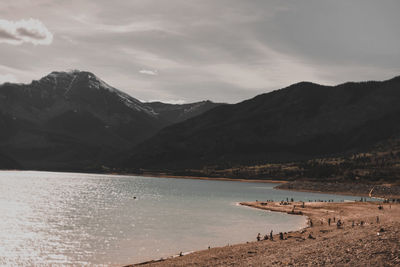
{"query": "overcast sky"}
(184, 50)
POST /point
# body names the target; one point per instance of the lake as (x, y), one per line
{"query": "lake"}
(50, 218)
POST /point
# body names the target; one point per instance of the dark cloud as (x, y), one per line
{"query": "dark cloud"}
(5, 35)
(31, 33)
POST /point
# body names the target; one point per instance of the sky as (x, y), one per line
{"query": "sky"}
(181, 51)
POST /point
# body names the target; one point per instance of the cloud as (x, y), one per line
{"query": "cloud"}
(24, 31)
(149, 72)
(7, 78)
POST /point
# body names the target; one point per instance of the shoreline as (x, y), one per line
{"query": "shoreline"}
(154, 175)
(326, 192)
(323, 244)
(285, 184)
(244, 204)
(317, 187)
(380, 191)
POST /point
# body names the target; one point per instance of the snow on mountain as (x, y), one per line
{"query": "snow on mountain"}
(70, 79)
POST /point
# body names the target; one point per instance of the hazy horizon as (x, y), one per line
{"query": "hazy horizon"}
(200, 100)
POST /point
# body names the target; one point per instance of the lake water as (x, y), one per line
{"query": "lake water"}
(87, 219)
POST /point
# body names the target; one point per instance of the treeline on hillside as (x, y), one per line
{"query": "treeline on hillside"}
(380, 165)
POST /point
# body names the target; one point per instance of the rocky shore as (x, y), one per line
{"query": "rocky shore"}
(368, 235)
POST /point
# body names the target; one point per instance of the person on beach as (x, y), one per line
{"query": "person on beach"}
(280, 235)
(311, 223)
(377, 219)
(352, 225)
(270, 236)
(266, 237)
(329, 221)
(259, 237)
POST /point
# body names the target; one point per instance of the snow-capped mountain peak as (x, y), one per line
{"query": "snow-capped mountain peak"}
(76, 80)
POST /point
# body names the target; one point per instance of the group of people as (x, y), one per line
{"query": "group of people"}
(271, 236)
(339, 225)
(339, 222)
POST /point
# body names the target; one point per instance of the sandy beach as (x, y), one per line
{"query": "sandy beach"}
(374, 240)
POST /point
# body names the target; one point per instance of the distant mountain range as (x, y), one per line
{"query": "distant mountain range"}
(75, 121)
(302, 121)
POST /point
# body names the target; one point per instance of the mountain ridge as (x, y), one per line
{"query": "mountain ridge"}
(298, 122)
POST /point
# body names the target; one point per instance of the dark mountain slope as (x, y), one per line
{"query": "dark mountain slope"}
(72, 121)
(302, 121)
(6, 163)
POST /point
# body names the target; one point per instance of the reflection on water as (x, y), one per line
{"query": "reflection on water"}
(82, 219)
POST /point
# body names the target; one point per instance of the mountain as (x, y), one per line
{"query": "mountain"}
(72, 121)
(174, 113)
(302, 121)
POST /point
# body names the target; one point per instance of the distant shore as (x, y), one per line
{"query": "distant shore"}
(336, 188)
(373, 240)
(351, 189)
(161, 175)
(354, 189)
